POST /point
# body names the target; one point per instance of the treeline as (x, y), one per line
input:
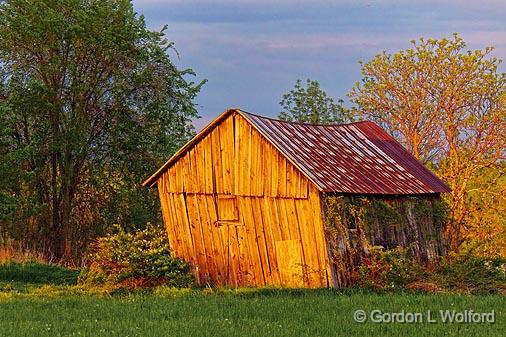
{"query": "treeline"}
(90, 102)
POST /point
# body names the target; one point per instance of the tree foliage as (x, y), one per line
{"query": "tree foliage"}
(310, 104)
(448, 106)
(485, 231)
(93, 101)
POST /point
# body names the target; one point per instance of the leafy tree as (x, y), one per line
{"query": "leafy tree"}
(8, 201)
(485, 231)
(447, 105)
(13, 206)
(311, 104)
(94, 98)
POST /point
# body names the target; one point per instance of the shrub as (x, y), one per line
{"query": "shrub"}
(387, 269)
(391, 269)
(472, 273)
(140, 259)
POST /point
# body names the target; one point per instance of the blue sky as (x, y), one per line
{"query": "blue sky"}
(252, 52)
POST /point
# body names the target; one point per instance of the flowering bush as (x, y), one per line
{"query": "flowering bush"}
(133, 260)
(387, 269)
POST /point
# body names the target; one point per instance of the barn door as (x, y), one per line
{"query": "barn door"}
(227, 223)
(289, 256)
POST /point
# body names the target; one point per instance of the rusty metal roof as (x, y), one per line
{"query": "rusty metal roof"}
(349, 158)
(359, 158)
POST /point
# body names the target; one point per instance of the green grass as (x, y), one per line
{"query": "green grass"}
(44, 300)
(243, 312)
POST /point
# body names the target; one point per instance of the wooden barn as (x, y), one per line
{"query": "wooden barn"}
(253, 201)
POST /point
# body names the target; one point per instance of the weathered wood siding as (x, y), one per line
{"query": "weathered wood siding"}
(235, 159)
(355, 224)
(242, 214)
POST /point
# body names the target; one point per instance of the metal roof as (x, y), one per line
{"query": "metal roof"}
(349, 158)
(359, 158)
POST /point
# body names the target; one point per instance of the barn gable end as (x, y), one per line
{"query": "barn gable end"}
(241, 213)
(234, 158)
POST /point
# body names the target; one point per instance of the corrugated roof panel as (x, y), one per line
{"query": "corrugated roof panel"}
(350, 158)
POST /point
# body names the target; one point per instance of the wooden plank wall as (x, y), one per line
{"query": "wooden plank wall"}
(235, 159)
(240, 213)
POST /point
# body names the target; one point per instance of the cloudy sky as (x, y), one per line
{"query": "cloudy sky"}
(251, 52)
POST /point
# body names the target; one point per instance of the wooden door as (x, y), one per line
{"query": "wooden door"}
(227, 223)
(290, 263)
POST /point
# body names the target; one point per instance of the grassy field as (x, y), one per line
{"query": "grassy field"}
(44, 300)
(241, 313)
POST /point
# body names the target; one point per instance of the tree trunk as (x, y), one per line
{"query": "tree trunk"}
(55, 242)
(63, 186)
(66, 210)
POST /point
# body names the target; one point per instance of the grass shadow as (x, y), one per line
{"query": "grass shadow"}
(36, 273)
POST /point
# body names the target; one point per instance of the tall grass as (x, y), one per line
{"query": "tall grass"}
(12, 253)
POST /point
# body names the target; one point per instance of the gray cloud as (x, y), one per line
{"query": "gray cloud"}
(253, 51)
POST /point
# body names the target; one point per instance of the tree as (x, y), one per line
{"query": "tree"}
(93, 96)
(485, 232)
(311, 104)
(447, 106)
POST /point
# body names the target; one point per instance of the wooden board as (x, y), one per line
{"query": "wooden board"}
(210, 248)
(199, 240)
(320, 243)
(250, 242)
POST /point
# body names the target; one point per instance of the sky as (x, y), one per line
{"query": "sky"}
(252, 52)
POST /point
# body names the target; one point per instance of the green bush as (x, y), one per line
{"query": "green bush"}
(139, 259)
(393, 269)
(388, 269)
(471, 273)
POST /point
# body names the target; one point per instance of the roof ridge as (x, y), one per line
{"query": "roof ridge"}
(302, 123)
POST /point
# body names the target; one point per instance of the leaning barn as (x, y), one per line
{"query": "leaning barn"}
(252, 201)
